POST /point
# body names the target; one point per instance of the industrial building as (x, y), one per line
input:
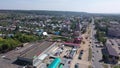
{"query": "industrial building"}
(34, 55)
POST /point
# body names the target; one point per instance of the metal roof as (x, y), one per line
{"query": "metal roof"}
(111, 50)
(42, 57)
(55, 63)
(35, 51)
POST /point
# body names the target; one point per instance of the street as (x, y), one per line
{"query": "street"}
(96, 52)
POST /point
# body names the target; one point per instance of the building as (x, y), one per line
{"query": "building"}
(114, 29)
(77, 34)
(78, 27)
(33, 55)
(111, 23)
(55, 63)
(77, 37)
(110, 55)
(114, 32)
(77, 40)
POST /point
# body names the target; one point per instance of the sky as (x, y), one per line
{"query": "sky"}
(91, 6)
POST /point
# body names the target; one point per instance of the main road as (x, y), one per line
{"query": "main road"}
(96, 52)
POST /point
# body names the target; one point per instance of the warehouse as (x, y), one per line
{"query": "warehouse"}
(34, 55)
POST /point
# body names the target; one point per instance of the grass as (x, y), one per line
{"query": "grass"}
(89, 66)
(115, 66)
(90, 54)
(105, 65)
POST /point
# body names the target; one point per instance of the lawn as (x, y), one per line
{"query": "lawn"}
(90, 54)
(116, 66)
(105, 65)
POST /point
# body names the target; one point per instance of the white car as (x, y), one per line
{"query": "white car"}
(3, 56)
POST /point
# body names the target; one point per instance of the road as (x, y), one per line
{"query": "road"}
(96, 52)
(83, 62)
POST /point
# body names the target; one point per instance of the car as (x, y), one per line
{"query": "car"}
(80, 55)
(3, 56)
(77, 65)
(69, 62)
(56, 54)
(96, 45)
(93, 66)
(81, 52)
(93, 59)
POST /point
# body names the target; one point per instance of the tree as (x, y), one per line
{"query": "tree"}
(101, 36)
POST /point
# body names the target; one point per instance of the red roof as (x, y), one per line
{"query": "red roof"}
(71, 44)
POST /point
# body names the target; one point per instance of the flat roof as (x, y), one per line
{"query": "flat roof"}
(111, 50)
(35, 51)
(42, 57)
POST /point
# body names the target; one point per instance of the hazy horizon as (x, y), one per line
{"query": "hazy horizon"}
(90, 6)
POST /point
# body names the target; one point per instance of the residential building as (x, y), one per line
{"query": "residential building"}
(110, 54)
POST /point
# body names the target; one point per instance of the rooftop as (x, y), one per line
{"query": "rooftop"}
(110, 49)
(71, 44)
(114, 22)
(36, 50)
(55, 63)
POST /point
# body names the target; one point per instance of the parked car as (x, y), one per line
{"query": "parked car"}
(69, 62)
(81, 52)
(80, 55)
(77, 65)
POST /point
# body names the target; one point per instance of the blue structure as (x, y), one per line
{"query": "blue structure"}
(55, 63)
(57, 33)
(39, 31)
(10, 35)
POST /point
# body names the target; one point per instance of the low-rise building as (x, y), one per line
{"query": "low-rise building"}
(114, 32)
(114, 29)
(110, 55)
(33, 55)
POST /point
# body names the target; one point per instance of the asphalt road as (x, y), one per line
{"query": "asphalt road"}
(96, 52)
